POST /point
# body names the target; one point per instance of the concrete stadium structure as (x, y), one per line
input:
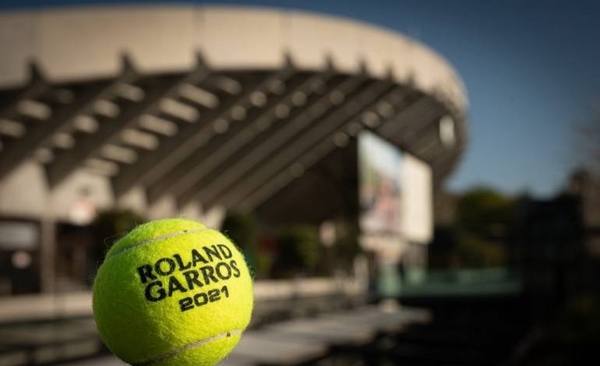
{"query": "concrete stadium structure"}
(194, 110)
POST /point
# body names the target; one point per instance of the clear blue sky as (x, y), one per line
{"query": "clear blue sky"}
(531, 69)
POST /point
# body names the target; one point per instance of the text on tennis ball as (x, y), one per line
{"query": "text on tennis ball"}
(198, 267)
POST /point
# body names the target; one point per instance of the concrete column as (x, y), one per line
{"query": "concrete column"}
(48, 253)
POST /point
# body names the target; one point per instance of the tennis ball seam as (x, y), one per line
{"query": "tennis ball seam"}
(156, 239)
(189, 346)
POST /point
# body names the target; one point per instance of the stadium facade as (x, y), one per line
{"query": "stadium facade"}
(192, 111)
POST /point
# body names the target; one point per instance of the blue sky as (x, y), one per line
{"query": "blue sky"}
(531, 71)
(531, 68)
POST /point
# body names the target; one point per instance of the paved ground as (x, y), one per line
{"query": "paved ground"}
(457, 331)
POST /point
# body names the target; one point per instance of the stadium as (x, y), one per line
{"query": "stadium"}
(198, 110)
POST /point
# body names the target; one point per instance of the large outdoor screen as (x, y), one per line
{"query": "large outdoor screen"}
(380, 186)
(417, 203)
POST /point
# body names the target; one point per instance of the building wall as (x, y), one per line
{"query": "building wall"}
(24, 194)
(89, 43)
(417, 204)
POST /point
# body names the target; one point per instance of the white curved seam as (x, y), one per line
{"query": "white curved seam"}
(157, 238)
(189, 346)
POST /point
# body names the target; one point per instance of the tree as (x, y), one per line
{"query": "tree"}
(478, 233)
(109, 227)
(587, 141)
(242, 229)
(298, 251)
(347, 246)
(485, 213)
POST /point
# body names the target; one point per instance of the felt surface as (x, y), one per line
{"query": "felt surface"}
(172, 292)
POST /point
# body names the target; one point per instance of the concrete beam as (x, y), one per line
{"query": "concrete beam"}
(222, 133)
(67, 161)
(396, 97)
(154, 165)
(317, 106)
(305, 143)
(41, 133)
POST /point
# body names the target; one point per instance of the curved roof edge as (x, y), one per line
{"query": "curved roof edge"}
(89, 43)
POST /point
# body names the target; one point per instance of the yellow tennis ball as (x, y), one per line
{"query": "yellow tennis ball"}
(172, 292)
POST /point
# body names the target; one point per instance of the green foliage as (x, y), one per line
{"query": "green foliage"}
(262, 265)
(475, 252)
(443, 248)
(485, 212)
(347, 245)
(298, 251)
(241, 229)
(478, 237)
(109, 227)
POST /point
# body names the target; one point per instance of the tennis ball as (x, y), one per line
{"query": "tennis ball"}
(172, 292)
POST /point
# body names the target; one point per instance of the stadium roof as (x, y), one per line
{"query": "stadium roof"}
(221, 105)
